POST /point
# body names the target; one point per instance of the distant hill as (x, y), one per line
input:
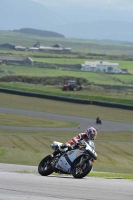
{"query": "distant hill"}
(42, 33)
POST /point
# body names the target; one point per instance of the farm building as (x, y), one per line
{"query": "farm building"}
(54, 48)
(58, 46)
(18, 60)
(101, 66)
(64, 49)
(36, 47)
(7, 46)
(20, 48)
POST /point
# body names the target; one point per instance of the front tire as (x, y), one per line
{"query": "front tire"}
(45, 167)
(80, 172)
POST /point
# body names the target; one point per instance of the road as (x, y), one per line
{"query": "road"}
(15, 185)
(85, 122)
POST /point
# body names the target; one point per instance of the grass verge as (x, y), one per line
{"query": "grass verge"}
(94, 174)
(29, 121)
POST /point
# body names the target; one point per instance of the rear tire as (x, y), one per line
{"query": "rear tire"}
(45, 167)
(88, 167)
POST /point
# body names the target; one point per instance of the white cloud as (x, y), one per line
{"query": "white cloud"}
(105, 4)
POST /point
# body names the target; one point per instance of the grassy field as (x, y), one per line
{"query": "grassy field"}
(18, 120)
(124, 96)
(97, 78)
(77, 45)
(90, 93)
(122, 64)
(29, 147)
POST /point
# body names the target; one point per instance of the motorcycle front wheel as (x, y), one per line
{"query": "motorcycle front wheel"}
(45, 167)
(80, 171)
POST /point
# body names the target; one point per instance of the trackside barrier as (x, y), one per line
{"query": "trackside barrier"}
(112, 105)
(67, 99)
(45, 96)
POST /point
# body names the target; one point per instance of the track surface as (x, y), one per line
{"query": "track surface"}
(85, 122)
(15, 185)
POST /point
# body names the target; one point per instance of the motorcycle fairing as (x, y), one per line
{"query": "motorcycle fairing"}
(66, 161)
(64, 164)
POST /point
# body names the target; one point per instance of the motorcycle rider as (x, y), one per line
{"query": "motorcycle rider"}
(89, 135)
(98, 120)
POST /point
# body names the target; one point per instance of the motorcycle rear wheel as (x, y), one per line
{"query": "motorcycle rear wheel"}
(80, 172)
(45, 167)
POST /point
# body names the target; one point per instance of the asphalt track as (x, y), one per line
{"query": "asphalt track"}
(15, 185)
(84, 122)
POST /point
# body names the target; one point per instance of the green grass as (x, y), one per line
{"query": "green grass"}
(111, 175)
(77, 45)
(94, 174)
(105, 175)
(97, 78)
(122, 64)
(20, 120)
(65, 60)
(90, 93)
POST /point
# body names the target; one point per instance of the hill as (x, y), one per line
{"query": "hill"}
(42, 33)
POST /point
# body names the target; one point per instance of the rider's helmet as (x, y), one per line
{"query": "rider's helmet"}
(91, 133)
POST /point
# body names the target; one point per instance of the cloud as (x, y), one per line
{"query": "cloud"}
(101, 4)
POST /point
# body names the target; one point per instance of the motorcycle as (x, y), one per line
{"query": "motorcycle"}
(98, 121)
(78, 161)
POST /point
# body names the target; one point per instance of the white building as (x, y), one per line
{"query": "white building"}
(101, 66)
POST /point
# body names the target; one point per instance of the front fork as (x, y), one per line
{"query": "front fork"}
(83, 160)
(81, 164)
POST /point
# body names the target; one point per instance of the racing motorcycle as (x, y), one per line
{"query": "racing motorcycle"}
(78, 161)
(98, 121)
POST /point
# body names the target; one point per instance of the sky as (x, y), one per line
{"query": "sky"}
(101, 4)
(120, 10)
(94, 19)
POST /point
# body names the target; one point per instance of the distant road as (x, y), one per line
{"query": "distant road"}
(85, 122)
(15, 185)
